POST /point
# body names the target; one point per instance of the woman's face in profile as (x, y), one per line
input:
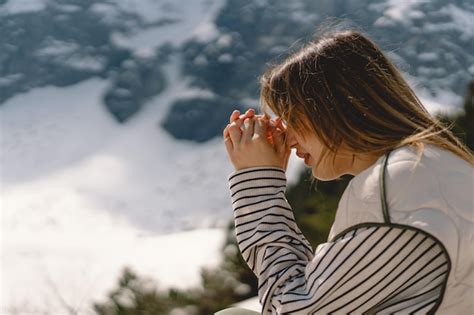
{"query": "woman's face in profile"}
(310, 149)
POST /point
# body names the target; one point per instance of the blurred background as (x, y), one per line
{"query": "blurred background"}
(114, 192)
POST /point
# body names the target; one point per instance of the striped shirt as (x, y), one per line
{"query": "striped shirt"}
(372, 268)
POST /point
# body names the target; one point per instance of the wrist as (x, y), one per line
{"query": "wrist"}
(247, 167)
(258, 177)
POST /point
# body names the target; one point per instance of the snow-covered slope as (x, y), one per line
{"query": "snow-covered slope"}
(83, 195)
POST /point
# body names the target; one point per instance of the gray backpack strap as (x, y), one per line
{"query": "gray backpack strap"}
(383, 197)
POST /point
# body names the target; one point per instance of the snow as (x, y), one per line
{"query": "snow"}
(68, 8)
(444, 102)
(428, 56)
(398, 10)
(86, 62)
(225, 58)
(395, 12)
(463, 20)
(224, 41)
(53, 48)
(41, 269)
(205, 32)
(150, 10)
(21, 6)
(69, 125)
(9, 79)
(68, 54)
(83, 196)
(108, 12)
(471, 69)
(184, 20)
(200, 60)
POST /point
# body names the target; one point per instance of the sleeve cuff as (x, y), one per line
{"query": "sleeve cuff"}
(256, 178)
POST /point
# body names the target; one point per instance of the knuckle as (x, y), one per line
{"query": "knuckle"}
(233, 126)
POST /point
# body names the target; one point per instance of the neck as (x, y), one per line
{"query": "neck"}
(361, 163)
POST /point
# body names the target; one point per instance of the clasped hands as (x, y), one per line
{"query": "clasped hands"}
(256, 140)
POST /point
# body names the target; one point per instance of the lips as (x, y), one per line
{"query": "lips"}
(304, 156)
(300, 154)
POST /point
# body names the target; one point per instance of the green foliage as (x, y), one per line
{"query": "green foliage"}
(463, 126)
(314, 207)
(135, 296)
(231, 282)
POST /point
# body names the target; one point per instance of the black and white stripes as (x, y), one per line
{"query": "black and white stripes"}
(370, 268)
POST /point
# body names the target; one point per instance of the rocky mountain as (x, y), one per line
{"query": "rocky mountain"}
(63, 42)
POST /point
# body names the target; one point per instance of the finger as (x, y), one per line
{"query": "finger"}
(248, 130)
(261, 116)
(235, 114)
(225, 132)
(260, 128)
(271, 134)
(265, 118)
(228, 144)
(269, 131)
(280, 141)
(235, 133)
(239, 120)
(249, 113)
(279, 124)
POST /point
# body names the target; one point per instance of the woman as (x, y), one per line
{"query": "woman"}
(402, 237)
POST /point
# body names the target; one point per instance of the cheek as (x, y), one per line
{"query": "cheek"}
(323, 159)
(315, 148)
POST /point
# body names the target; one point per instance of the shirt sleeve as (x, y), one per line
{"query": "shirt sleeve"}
(367, 268)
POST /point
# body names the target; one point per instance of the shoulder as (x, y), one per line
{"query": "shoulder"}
(431, 190)
(427, 182)
(432, 177)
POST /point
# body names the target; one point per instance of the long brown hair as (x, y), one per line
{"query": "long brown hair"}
(341, 87)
